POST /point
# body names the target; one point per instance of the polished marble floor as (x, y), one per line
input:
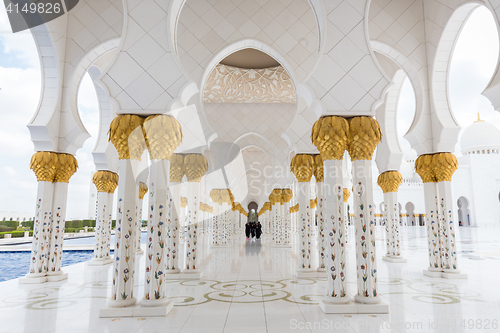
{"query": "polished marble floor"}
(250, 287)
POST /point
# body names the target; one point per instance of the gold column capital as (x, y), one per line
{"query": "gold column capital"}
(313, 203)
(286, 194)
(318, 168)
(105, 181)
(177, 169)
(53, 167)
(184, 202)
(195, 166)
(330, 135)
(127, 135)
(346, 194)
(302, 167)
(364, 137)
(424, 168)
(444, 166)
(143, 189)
(163, 135)
(390, 181)
(66, 168)
(44, 165)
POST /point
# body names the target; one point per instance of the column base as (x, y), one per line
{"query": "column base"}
(191, 274)
(138, 253)
(433, 274)
(282, 246)
(138, 310)
(55, 277)
(218, 246)
(454, 275)
(396, 259)
(33, 279)
(321, 270)
(344, 305)
(100, 262)
(308, 273)
(173, 271)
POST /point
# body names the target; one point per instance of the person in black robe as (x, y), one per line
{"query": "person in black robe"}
(258, 230)
(247, 230)
(252, 229)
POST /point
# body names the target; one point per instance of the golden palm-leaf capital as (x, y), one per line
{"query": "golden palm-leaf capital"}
(390, 181)
(127, 135)
(105, 181)
(313, 203)
(346, 194)
(163, 135)
(195, 166)
(330, 135)
(302, 167)
(286, 195)
(177, 169)
(364, 137)
(318, 168)
(424, 168)
(66, 167)
(184, 202)
(44, 164)
(444, 166)
(143, 189)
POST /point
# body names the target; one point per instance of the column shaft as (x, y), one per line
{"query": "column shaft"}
(41, 230)
(158, 221)
(433, 229)
(305, 225)
(172, 264)
(103, 226)
(335, 232)
(365, 237)
(122, 290)
(192, 225)
(57, 228)
(447, 226)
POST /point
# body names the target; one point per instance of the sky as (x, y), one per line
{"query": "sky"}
(473, 63)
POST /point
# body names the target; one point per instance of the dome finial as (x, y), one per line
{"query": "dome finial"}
(478, 118)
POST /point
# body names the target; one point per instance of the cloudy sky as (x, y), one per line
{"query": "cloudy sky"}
(473, 64)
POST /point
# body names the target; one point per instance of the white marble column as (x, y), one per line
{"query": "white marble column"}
(365, 237)
(390, 181)
(321, 226)
(143, 189)
(122, 289)
(53, 172)
(304, 227)
(41, 234)
(172, 264)
(106, 183)
(345, 213)
(54, 272)
(192, 227)
(336, 270)
(160, 214)
(444, 166)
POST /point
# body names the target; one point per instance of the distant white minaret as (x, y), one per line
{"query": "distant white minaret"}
(92, 211)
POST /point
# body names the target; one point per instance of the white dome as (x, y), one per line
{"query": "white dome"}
(480, 136)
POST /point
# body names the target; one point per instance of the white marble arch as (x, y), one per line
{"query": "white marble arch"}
(104, 153)
(445, 127)
(389, 153)
(419, 134)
